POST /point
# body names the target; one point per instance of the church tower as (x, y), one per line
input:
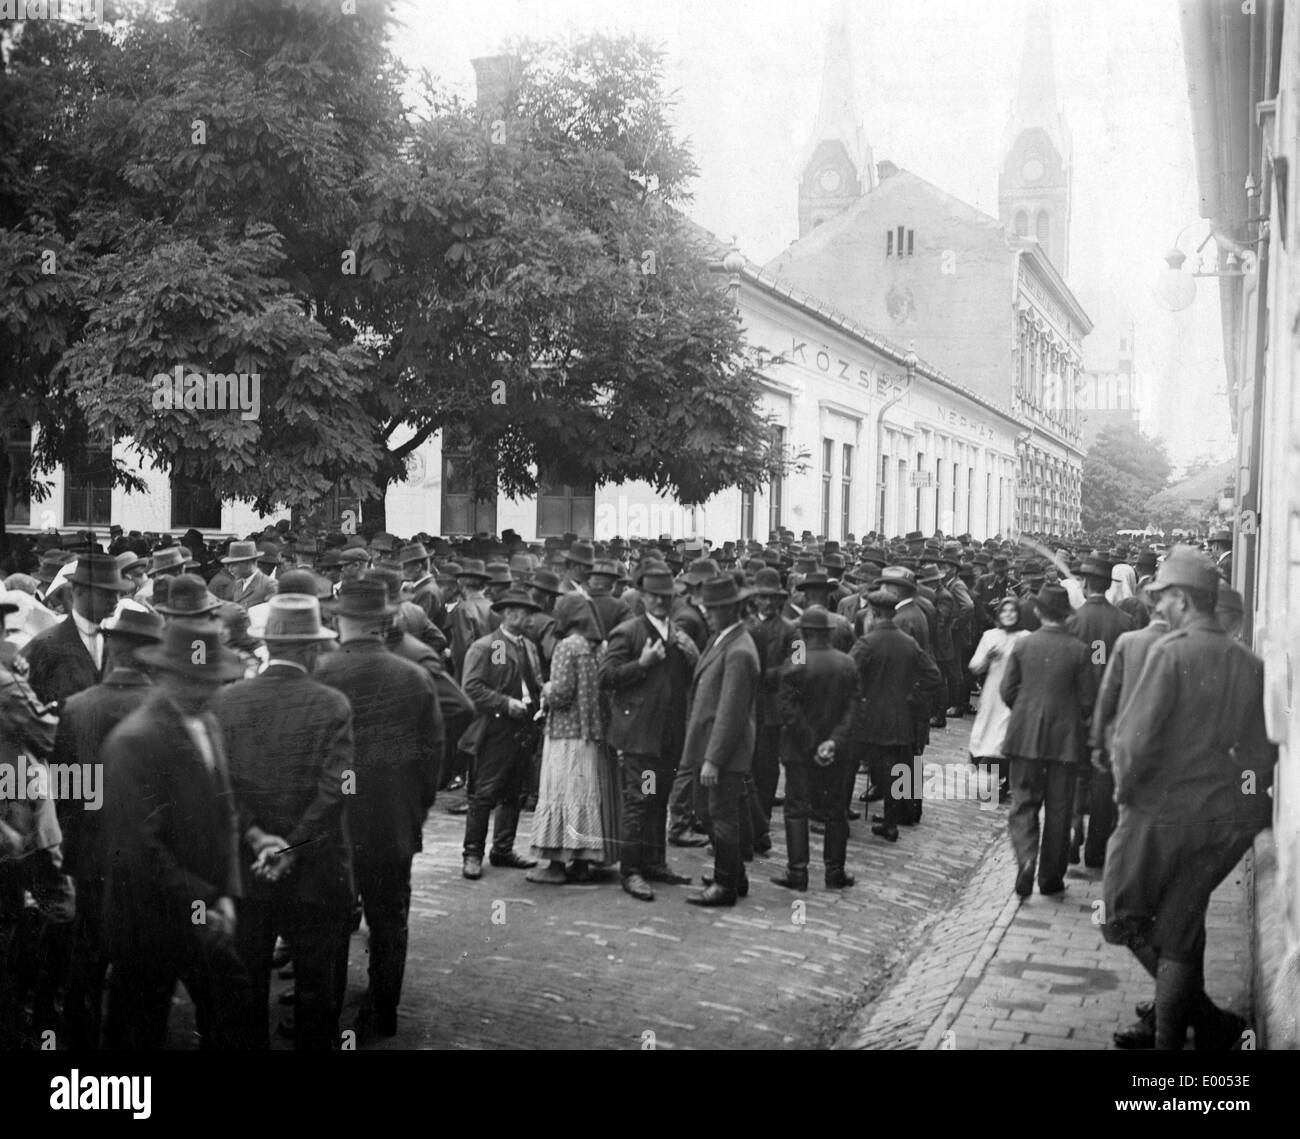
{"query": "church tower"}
(1034, 180)
(836, 167)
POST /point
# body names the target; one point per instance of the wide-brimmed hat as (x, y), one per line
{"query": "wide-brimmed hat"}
(928, 573)
(724, 590)
(547, 581)
(656, 582)
(128, 560)
(415, 552)
(473, 567)
(1221, 536)
(606, 567)
(498, 573)
(700, 571)
(293, 617)
(767, 583)
(170, 559)
(1146, 560)
(100, 571)
(898, 575)
(1053, 602)
(196, 653)
(364, 598)
(584, 553)
(303, 581)
(1095, 565)
(240, 552)
(51, 563)
(515, 597)
(133, 621)
(1186, 567)
(816, 580)
(188, 596)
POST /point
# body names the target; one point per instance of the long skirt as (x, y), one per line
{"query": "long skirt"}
(568, 823)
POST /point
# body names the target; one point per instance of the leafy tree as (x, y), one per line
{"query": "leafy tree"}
(236, 186)
(1122, 470)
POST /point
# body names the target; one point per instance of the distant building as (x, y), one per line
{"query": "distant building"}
(1108, 386)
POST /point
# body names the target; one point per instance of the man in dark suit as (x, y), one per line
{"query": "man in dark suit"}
(289, 739)
(817, 700)
(610, 609)
(647, 668)
(421, 586)
(688, 614)
(503, 676)
(85, 722)
(173, 874)
(1098, 624)
(397, 733)
(774, 637)
(68, 657)
(1050, 687)
(471, 616)
(893, 671)
(720, 734)
(1193, 766)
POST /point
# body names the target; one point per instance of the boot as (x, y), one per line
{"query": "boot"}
(835, 850)
(796, 841)
(1177, 986)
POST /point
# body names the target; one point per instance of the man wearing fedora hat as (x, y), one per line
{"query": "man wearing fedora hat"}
(85, 721)
(471, 616)
(1221, 550)
(579, 559)
(774, 637)
(68, 657)
(611, 610)
(289, 739)
(647, 667)
(503, 676)
(252, 586)
(818, 696)
(1050, 686)
(1193, 765)
(174, 875)
(1098, 624)
(188, 602)
(720, 733)
(688, 613)
(420, 584)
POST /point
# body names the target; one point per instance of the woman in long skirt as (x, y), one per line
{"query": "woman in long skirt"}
(567, 825)
(989, 661)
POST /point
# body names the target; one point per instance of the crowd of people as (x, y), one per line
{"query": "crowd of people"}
(269, 720)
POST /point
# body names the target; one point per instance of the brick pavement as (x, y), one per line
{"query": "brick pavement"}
(996, 972)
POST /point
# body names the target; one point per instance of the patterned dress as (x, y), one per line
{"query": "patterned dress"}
(567, 825)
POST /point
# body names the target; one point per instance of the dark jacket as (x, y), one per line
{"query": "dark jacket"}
(891, 665)
(289, 741)
(397, 735)
(1050, 687)
(171, 830)
(1098, 624)
(774, 639)
(720, 728)
(944, 608)
(647, 704)
(691, 620)
(1120, 679)
(84, 723)
(817, 701)
(466, 623)
(611, 611)
(1190, 745)
(59, 664)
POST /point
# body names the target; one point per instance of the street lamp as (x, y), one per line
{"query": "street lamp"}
(1175, 288)
(910, 361)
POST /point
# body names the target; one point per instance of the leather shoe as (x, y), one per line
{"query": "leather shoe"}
(714, 896)
(762, 846)
(854, 814)
(1025, 880)
(688, 839)
(1222, 1037)
(840, 880)
(874, 794)
(742, 891)
(1140, 1034)
(638, 887)
(473, 868)
(461, 808)
(1145, 1009)
(778, 801)
(792, 880)
(512, 861)
(954, 713)
(666, 875)
(889, 834)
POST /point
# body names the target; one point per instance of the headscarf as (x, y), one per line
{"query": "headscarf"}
(574, 613)
(1123, 583)
(1014, 602)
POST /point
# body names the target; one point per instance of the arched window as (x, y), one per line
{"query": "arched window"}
(1044, 227)
(1022, 224)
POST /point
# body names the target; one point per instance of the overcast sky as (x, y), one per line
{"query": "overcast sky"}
(935, 84)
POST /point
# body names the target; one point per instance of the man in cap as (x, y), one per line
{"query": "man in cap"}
(817, 699)
(68, 657)
(503, 676)
(647, 668)
(894, 672)
(720, 734)
(1050, 686)
(1193, 766)
(397, 735)
(173, 877)
(1098, 624)
(252, 586)
(85, 721)
(289, 739)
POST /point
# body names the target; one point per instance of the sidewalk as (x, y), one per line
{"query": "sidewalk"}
(995, 972)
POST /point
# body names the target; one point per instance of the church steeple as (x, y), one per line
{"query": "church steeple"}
(1034, 183)
(836, 166)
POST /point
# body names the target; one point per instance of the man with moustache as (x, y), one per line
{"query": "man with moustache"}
(252, 586)
(647, 668)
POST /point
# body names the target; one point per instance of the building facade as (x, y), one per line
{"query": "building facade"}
(1108, 387)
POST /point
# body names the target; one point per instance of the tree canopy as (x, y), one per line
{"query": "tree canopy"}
(1123, 469)
(241, 186)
